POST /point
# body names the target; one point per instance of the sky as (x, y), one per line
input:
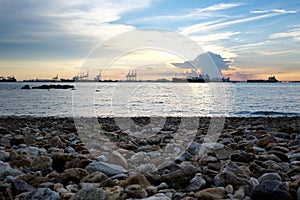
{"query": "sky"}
(39, 39)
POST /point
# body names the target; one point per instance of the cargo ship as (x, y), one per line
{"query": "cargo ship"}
(271, 79)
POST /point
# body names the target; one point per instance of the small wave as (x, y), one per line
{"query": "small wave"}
(267, 113)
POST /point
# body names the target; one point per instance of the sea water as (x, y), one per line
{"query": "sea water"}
(128, 99)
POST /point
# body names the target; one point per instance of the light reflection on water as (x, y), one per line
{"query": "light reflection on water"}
(153, 99)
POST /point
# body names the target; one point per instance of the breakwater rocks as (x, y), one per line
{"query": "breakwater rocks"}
(45, 158)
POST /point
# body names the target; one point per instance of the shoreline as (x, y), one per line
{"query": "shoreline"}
(81, 158)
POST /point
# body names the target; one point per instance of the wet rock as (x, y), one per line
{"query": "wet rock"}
(6, 170)
(210, 193)
(138, 179)
(242, 157)
(89, 193)
(136, 191)
(108, 169)
(298, 193)
(41, 194)
(26, 87)
(270, 190)
(231, 174)
(74, 174)
(41, 163)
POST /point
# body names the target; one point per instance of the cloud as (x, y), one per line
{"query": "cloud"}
(193, 15)
(214, 37)
(216, 24)
(206, 63)
(81, 19)
(273, 11)
(294, 33)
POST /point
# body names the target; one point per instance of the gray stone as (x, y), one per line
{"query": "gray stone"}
(271, 190)
(108, 169)
(89, 193)
(136, 191)
(182, 177)
(231, 174)
(41, 163)
(41, 194)
(4, 155)
(269, 176)
(298, 193)
(196, 183)
(6, 170)
(223, 152)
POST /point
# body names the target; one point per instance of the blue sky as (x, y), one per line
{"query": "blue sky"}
(39, 38)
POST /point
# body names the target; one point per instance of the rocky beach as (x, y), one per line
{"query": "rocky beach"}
(55, 158)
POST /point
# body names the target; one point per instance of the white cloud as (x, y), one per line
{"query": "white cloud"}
(214, 37)
(193, 15)
(79, 19)
(215, 25)
(272, 53)
(273, 11)
(294, 33)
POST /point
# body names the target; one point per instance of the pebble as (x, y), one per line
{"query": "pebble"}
(44, 158)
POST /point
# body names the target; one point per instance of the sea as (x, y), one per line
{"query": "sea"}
(132, 99)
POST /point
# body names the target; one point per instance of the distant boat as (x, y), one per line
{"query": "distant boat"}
(8, 79)
(271, 79)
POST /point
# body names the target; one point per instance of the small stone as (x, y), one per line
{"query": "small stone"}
(223, 152)
(242, 157)
(112, 193)
(269, 176)
(229, 189)
(210, 193)
(74, 174)
(182, 177)
(118, 159)
(151, 190)
(231, 174)
(108, 169)
(95, 177)
(137, 178)
(267, 139)
(57, 186)
(196, 183)
(56, 142)
(89, 193)
(41, 194)
(136, 191)
(240, 193)
(270, 190)
(6, 170)
(4, 155)
(41, 163)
